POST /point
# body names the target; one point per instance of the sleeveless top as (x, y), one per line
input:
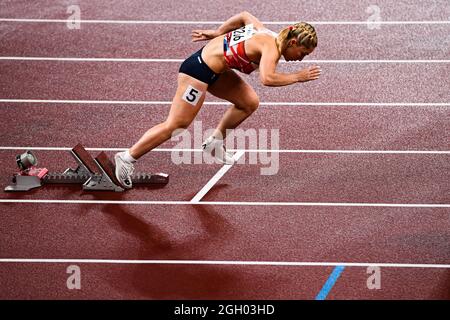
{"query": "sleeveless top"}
(234, 48)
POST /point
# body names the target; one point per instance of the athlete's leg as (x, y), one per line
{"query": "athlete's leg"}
(234, 89)
(244, 101)
(180, 116)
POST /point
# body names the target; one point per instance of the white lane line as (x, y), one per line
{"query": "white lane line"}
(91, 59)
(181, 22)
(371, 61)
(349, 151)
(233, 263)
(436, 152)
(228, 203)
(158, 60)
(219, 174)
(312, 104)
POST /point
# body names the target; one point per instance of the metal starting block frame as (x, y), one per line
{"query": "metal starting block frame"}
(94, 174)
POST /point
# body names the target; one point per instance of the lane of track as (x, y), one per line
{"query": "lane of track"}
(196, 10)
(339, 178)
(155, 81)
(430, 42)
(37, 281)
(300, 128)
(355, 178)
(196, 232)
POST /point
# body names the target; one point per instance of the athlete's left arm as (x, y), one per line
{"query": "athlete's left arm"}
(267, 67)
(268, 64)
(235, 22)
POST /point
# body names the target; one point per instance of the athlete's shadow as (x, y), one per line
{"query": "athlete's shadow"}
(174, 281)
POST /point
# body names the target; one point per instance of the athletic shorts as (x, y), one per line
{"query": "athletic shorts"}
(195, 67)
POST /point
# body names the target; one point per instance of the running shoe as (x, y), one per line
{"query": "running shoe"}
(216, 148)
(124, 170)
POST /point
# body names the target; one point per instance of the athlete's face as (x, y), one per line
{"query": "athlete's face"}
(295, 52)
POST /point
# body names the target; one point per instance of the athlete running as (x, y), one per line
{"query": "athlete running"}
(242, 43)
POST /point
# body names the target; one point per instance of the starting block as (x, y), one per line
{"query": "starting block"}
(93, 174)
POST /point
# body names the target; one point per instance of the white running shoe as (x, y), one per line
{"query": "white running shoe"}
(124, 170)
(216, 148)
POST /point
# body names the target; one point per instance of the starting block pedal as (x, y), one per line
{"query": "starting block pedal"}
(107, 179)
(107, 167)
(93, 174)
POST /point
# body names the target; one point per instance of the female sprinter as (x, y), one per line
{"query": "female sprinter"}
(241, 43)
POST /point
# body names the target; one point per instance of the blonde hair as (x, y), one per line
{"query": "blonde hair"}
(303, 32)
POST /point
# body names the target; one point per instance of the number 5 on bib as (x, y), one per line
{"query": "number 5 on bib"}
(192, 95)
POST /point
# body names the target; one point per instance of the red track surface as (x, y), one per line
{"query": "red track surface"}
(230, 232)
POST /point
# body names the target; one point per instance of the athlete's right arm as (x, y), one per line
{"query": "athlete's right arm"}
(240, 20)
(235, 22)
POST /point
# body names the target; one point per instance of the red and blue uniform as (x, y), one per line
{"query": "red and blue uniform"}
(234, 51)
(236, 57)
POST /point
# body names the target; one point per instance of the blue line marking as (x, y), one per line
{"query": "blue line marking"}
(330, 283)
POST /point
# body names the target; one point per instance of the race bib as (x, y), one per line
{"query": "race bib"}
(242, 34)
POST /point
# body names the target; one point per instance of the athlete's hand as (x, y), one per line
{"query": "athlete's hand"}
(202, 35)
(309, 74)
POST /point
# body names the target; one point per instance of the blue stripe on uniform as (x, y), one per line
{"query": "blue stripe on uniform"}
(225, 44)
